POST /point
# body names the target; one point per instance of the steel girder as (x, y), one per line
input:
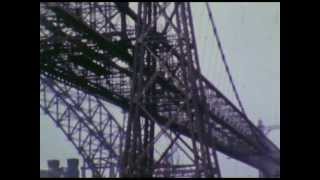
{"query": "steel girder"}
(231, 131)
(86, 122)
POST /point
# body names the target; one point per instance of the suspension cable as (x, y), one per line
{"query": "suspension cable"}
(224, 58)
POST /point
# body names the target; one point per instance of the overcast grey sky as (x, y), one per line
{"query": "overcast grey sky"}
(250, 35)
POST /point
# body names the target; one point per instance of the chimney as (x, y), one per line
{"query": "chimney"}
(72, 168)
(53, 168)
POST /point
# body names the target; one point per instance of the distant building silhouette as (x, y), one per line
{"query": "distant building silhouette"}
(55, 171)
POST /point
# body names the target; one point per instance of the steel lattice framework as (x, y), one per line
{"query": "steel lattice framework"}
(141, 57)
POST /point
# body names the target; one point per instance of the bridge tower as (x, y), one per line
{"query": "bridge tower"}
(138, 154)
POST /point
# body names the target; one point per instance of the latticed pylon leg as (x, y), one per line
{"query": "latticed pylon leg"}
(204, 166)
(138, 153)
(134, 167)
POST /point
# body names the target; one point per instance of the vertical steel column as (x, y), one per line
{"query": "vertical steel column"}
(133, 133)
(195, 88)
(216, 170)
(187, 86)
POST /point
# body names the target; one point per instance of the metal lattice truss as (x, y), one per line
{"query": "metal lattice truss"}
(85, 121)
(98, 136)
(96, 48)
